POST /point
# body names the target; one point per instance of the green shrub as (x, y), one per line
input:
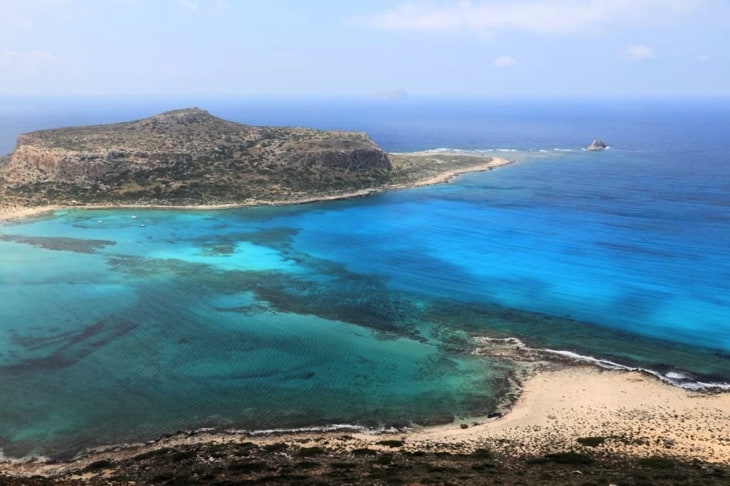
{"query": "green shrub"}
(311, 451)
(247, 466)
(569, 457)
(656, 462)
(364, 452)
(98, 465)
(392, 443)
(276, 447)
(591, 441)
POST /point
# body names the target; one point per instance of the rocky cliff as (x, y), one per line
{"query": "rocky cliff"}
(187, 157)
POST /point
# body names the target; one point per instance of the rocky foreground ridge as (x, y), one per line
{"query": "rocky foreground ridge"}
(186, 156)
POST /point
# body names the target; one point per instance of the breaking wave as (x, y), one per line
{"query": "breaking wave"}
(673, 378)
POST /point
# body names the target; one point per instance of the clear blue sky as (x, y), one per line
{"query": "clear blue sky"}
(521, 48)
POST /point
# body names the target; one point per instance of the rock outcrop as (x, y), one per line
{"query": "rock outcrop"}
(597, 145)
(187, 157)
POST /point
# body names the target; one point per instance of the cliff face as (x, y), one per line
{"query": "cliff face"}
(187, 156)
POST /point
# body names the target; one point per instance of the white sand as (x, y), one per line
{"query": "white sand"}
(637, 413)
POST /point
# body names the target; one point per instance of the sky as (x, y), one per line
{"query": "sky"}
(365, 48)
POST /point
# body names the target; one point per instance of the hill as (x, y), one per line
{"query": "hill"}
(189, 157)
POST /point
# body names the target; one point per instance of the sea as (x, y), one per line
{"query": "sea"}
(123, 325)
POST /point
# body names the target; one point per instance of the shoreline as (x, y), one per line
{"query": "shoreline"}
(559, 407)
(13, 213)
(557, 401)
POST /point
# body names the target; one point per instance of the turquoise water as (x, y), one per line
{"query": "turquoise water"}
(121, 325)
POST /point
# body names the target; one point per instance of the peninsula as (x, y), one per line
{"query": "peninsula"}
(190, 158)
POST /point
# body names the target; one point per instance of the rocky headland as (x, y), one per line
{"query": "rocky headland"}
(189, 157)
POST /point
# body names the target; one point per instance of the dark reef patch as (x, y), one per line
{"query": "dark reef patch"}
(77, 245)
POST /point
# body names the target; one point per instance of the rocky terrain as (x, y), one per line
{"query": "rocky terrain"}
(186, 156)
(571, 425)
(597, 145)
(189, 157)
(344, 459)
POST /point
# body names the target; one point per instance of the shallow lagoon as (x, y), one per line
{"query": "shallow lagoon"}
(113, 331)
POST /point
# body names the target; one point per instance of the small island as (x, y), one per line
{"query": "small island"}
(597, 145)
(190, 158)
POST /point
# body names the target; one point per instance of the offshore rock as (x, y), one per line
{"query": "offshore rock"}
(597, 145)
(187, 156)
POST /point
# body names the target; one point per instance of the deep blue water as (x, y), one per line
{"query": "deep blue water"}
(121, 325)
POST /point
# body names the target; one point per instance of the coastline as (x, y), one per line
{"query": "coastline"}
(561, 407)
(633, 413)
(559, 401)
(10, 213)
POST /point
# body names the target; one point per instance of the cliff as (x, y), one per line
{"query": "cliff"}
(189, 157)
(186, 157)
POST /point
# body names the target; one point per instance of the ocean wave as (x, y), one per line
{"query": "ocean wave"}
(313, 429)
(447, 150)
(499, 150)
(673, 378)
(555, 149)
(442, 150)
(4, 459)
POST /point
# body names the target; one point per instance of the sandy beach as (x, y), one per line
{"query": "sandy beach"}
(9, 213)
(633, 414)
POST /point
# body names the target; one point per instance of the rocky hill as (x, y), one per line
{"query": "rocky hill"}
(187, 157)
